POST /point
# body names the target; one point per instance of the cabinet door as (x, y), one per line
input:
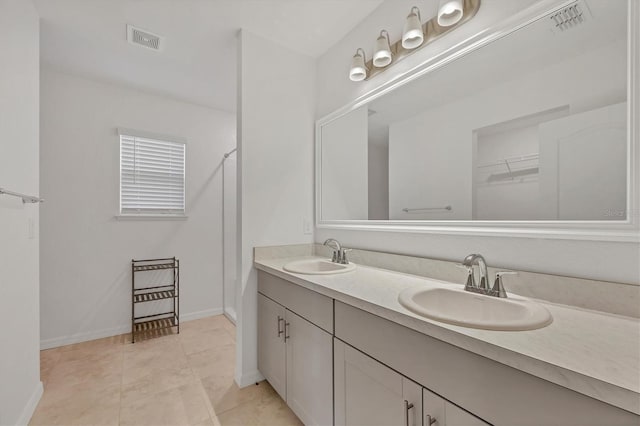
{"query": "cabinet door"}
(433, 409)
(457, 417)
(443, 413)
(369, 393)
(309, 364)
(271, 344)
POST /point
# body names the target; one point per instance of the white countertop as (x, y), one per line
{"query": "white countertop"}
(589, 352)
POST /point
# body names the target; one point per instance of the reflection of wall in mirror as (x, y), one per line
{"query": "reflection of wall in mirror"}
(379, 181)
(431, 153)
(345, 164)
(583, 159)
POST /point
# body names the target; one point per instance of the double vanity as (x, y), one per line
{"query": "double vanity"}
(347, 344)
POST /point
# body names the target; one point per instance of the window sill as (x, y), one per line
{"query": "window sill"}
(134, 217)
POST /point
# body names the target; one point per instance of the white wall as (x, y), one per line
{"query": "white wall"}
(20, 386)
(378, 185)
(345, 167)
(230, 235)
(85, 251)
(599, 260)
(275, 163)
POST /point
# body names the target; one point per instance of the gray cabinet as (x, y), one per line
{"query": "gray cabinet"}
(378, 366)
(296, 358)
(502, 395)
(441, 412)
(309, 363)
(370, 393)
(271, 347)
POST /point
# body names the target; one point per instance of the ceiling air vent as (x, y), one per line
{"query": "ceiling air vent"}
(570, 17)
(140, 37)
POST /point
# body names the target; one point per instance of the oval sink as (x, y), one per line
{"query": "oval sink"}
(460, 307)
(317, 267)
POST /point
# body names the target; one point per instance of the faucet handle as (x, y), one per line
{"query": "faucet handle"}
(470, 280)
(498, 288)
(343, 256)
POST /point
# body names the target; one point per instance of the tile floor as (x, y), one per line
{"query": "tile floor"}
(175, 379)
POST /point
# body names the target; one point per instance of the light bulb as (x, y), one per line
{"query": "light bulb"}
(412, 35)
(358, 71)
(450, 12)
(382, 54)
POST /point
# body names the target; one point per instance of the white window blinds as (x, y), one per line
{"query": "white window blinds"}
(151, 176)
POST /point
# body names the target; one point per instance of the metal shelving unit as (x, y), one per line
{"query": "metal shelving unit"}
(170, 291)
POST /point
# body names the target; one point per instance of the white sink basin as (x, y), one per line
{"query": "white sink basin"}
(317, 267)
(460, 307)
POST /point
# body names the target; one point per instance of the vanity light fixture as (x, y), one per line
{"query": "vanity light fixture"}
(382, 55)
(450, 12)
(415, 35)
(358, 70)
(412, 35)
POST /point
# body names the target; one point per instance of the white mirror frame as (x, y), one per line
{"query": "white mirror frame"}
(622, 231)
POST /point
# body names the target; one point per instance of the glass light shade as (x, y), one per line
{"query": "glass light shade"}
(382, 53)
(449, 12)
(358, 70)
(412, 35)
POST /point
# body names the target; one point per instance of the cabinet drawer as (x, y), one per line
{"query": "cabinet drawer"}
(312, 306)
(493, 391)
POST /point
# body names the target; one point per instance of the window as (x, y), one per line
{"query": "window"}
(152, 175)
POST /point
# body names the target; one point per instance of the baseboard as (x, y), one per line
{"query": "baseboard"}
(84, 337)
(115, 331)
(30, 408)
(250, 378)
(230, 313)
(200, 314)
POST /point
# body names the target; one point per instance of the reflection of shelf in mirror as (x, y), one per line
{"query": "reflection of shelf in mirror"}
(422, 209)
(510, 160)
(513, 172)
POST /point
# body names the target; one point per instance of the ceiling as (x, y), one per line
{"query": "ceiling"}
(198, 64)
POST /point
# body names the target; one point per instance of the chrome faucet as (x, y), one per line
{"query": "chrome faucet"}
(339, 253)
(477, 259)
(482, 287)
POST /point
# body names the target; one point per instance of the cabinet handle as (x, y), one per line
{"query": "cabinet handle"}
(429, 420)
(286, 331)
(280, 331)
(407, 406)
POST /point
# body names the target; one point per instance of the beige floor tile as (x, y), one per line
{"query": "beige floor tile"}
(157, 381)
(81, 404)
(100, 369)
(209, 323)
(106, 343)
(175, 379)
(179, 406)
(268, 411)
(214, 362)
(48, 360)
(209, 422)
(164, 351)
(152, 334)
(231, 329)
(224, 394)
(201, 340)
(156, 340)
